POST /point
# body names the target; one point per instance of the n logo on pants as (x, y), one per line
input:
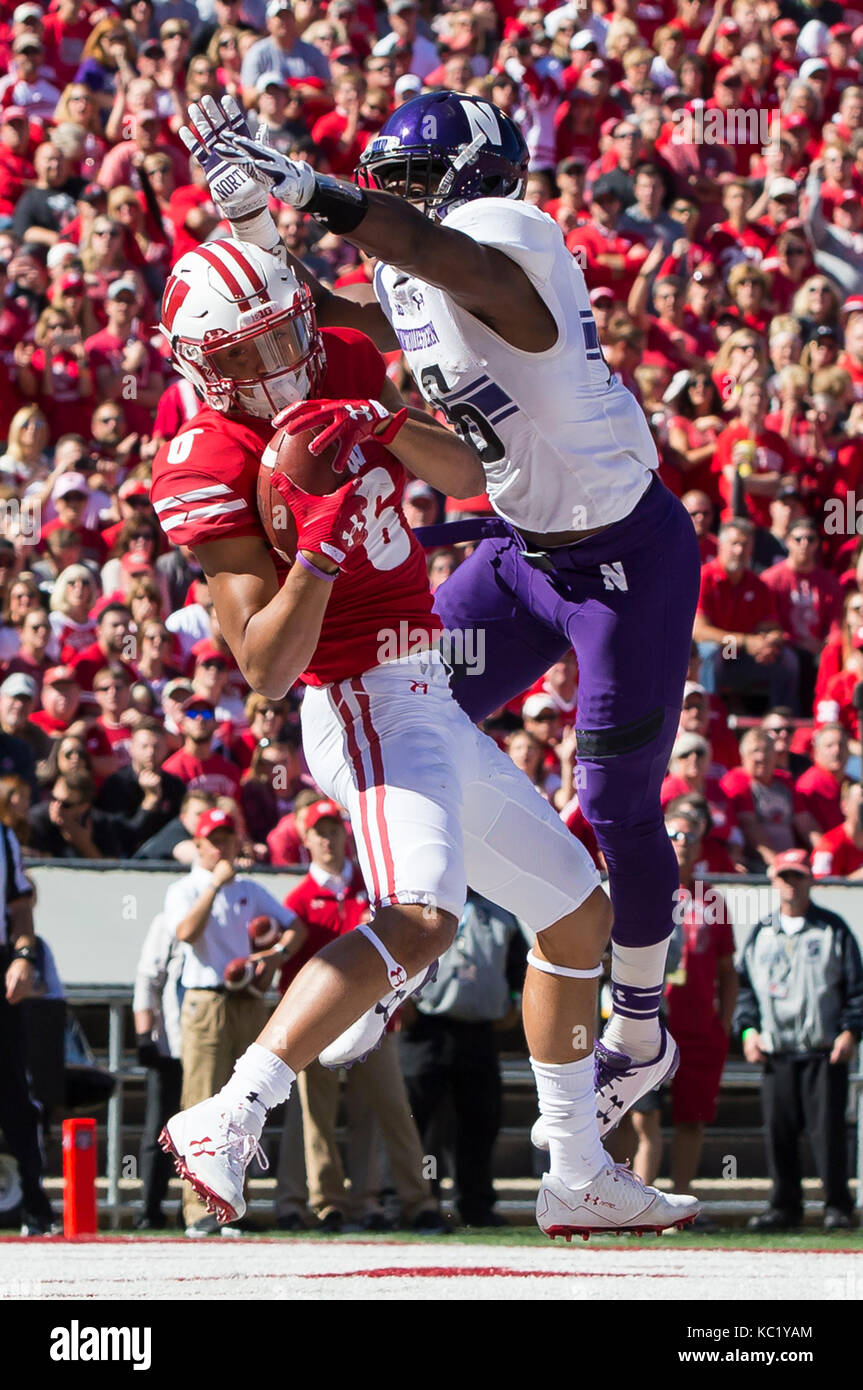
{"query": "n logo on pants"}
(613, 576)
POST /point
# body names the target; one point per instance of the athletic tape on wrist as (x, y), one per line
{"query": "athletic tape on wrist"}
(551, 969)
(259, 231)
(340, 206)
(396, 974)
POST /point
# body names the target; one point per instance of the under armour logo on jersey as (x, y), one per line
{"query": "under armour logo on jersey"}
(613, 576)
(397, 976)
(420, 687)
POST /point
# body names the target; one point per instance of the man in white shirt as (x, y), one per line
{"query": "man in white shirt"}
(209, 911)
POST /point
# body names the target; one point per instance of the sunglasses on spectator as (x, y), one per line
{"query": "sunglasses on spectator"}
(174, 34)
(805, 538)
(199, 714)
(781, 729)
(693, 753)
(67, 805)
(685, 837)
(109, 685)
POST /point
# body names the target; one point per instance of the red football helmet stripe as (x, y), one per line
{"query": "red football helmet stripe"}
(230, 280)
(254, 278)
(175, 293)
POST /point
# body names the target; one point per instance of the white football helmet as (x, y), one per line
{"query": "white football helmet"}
(242, 328)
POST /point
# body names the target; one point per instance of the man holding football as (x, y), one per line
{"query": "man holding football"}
(435, 804)
(493, 316)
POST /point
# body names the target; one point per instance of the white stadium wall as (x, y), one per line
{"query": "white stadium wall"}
(95, 919)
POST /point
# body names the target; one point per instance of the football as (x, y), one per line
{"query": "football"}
(264, 932)
(238, 973)
(289, 454)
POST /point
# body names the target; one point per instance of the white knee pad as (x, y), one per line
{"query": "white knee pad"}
(396, 974)
(550, 969)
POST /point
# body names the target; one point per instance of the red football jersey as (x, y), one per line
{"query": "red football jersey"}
(204, 489)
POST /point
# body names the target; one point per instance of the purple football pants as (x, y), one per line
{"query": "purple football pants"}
(625, 600)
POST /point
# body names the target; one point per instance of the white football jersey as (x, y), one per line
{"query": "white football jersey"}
(565, 447)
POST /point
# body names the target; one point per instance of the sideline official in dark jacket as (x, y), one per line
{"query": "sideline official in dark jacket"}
(800, 1013)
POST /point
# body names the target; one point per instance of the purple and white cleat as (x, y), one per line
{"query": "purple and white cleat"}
(619, 1082)
(363, 1037)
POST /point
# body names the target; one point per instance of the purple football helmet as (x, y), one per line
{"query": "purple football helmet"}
(446, 149)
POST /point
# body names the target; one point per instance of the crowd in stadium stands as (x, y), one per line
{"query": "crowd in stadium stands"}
(705, 166)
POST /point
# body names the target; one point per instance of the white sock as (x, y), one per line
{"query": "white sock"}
(260, 1080)
(637, 987)
(567, 1104)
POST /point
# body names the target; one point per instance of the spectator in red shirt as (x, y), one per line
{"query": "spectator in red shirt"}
(70, 497)
(762, 799)
(839, 853)
(609, 258)
(113, 645)
(779, 724)
(126, 368)
(807, 598)
(668, 344)
(192, 214)
(694, 426)
(699, 716)
(61, 712)
(16, 169)
(701, 509)
(689, 772)
(725, 239)
(64, 33)
(751, 459)
(700, 1010)
(739, 638)
(112, 686)
(195, 763)
(285, 843)
(819, 789)
(343, 134)
(747, 287)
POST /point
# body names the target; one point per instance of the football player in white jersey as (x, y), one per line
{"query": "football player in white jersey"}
(591, 551)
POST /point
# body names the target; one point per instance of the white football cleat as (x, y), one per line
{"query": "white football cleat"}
(614, 1200)
(619, 1081)
(356, 1042)
(212, 1147)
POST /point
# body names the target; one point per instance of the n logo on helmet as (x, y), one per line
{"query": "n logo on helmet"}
(482, 120)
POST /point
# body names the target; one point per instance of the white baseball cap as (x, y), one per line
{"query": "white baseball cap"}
(783, 188)
(408, 83)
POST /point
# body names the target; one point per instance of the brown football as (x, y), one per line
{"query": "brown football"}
(289, 454)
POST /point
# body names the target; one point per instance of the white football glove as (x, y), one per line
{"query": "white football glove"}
(290, 180)
(239, 191)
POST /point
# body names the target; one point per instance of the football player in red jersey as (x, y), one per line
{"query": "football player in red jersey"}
(435, 802)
